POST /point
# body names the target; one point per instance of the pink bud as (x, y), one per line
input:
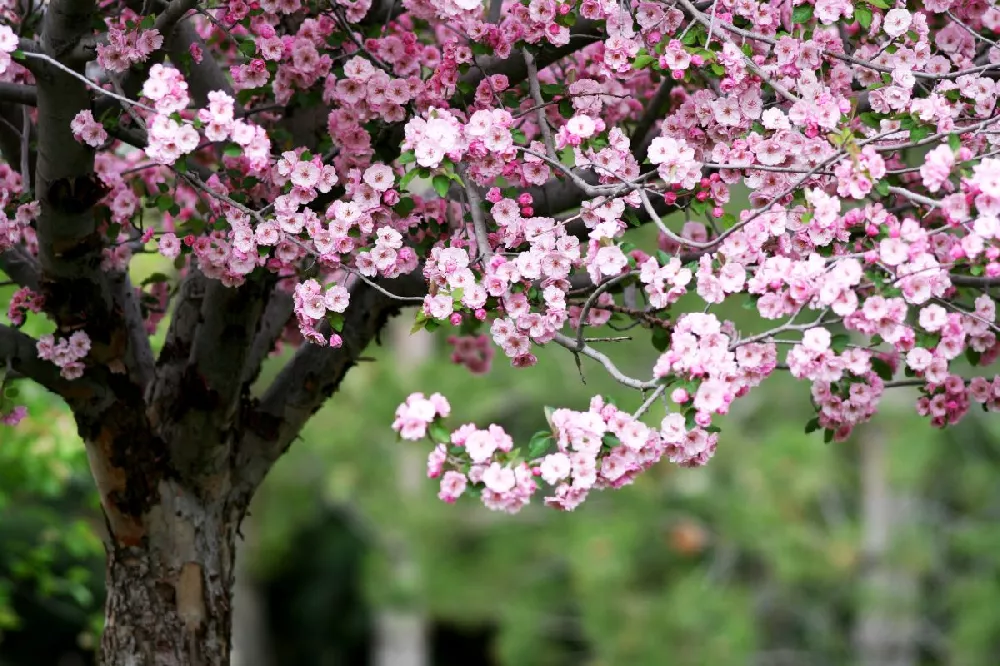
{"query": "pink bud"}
(455, 319)
(697, 60)
(480, 314)
(680, 396)
(494, 195)
(718, 211)
(390, 197)
(336, 341)
(701, 196)
(703, 419)
(992, 269)
(677, 74)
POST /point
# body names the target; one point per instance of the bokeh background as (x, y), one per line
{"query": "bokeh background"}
(880, 551)
(783, 550)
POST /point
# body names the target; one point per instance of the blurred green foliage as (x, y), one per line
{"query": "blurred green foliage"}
(755, 559)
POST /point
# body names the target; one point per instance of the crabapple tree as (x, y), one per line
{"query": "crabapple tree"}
(311, 167)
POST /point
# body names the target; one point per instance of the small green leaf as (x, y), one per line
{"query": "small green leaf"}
(441, 185)
(539, 444)
(864, 16)
(567, 156)
(407, 157)
(248, 48)
(881, 4)
(232, 150)
(548, 415)
(661, 339)
(812, 426)
(404, 207)
(336, 320)
(802, 13)
(407, 177)
(881, 368)
(839, 342)
(882, 187)
(643, 61)
(954, 142)
(439, 433)
(827, 436)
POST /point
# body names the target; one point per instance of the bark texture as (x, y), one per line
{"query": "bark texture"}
(170, 596)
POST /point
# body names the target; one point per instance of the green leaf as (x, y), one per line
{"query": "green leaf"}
(232, 150)
(611, 441)
(643, 61)
(839, 342)
(336, 320)
(439, 433)
(954, 142)
(812, 426)
(567, 156)
(519, 136)
(441, 185)
(827, 436)
(420, 321)
(920, 132)
(407, 157)
(404, 207)
(882, 187)
(881, 4)
(870, 119)
(864, 16)
(973, 356)
(802, 13)
(881, 368)
(661, 339)
(548, 415)
(539, 444)
(551, 88)
(248, 48)
(699, 207)
(407, 177)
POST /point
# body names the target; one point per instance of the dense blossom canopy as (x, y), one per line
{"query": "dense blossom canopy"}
(504, 154)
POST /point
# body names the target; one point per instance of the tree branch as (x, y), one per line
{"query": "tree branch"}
(18, 93)
(311, 377)
(21, 268)
(276, 316)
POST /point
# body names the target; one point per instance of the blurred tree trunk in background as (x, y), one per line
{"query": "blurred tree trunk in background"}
(251, 642)
(401, 629)
(886, 628)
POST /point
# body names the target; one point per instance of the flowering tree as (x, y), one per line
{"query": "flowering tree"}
(270, 150)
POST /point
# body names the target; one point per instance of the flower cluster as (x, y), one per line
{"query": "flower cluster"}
(22, 301)
(66, 353)
(126, 47)
(87, 130)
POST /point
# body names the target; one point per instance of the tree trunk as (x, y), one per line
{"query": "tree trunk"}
(886, 629)
(401, 633)
(170, 592)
